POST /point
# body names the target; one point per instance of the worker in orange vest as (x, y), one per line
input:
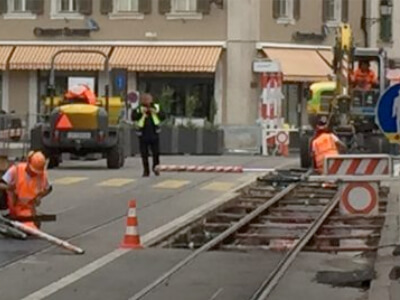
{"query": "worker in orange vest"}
(26, 184)
(364, 78)
(324, 144)
(81, 92)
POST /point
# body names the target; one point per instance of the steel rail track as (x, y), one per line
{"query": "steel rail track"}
(273, 279)
(220, 238)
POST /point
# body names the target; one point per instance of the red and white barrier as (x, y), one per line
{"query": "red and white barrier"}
(209, 169)
(350, 165)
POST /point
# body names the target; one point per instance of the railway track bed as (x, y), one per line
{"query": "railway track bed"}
(278, 230)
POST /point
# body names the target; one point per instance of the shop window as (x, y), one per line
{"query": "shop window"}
(174, 93)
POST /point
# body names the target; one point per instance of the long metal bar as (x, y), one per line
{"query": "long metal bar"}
(269, 284)
(211, 244)
(36, 232)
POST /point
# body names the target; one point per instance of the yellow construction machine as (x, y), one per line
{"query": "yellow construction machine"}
(350, 110)
(81, 128)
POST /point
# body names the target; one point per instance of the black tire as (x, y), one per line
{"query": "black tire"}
(114, 158)
(305, 155)
(54, 161)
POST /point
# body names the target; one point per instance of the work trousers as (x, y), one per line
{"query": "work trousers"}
(154, 145)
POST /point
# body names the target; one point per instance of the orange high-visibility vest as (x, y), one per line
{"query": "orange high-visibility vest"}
(27, 188)
(364, 80)
(323, 146)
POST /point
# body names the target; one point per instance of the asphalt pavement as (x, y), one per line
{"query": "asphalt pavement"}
(91, 204)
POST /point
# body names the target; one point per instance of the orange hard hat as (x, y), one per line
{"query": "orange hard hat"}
(36, 162)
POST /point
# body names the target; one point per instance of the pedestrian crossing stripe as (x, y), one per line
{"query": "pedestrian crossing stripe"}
(171, 184)
(218, 186)
(69, 180)
(116, 182)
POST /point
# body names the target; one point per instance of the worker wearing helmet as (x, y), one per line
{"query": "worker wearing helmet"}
(324, 144)
(26, 184)
(364, 78)
(81, 92)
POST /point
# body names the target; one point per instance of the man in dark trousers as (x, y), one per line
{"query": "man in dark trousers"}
(148, 118)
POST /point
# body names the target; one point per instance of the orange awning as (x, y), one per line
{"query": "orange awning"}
(39, 58)
(300, 65)
(5, 52)
(166, 58)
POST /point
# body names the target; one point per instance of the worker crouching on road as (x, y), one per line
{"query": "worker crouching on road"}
(324, 144)
(148, 117)
(26, 184)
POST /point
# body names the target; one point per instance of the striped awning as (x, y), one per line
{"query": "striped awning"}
(5, 52)
(166, 58)
(327, 55)
(300, 65)
(39, 58)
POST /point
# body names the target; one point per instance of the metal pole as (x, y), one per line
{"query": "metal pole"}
(43, 235)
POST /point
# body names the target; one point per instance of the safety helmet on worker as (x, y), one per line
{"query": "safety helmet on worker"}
(82, 92)
(322, 124)
(36, 162)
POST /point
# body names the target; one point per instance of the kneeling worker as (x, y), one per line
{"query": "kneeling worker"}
(26, 184)
(324, 144)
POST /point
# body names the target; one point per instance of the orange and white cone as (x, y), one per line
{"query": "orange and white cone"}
(131, 237)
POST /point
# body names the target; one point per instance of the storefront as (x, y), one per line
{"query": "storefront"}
(301, 66)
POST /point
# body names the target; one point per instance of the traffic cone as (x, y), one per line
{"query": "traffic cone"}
(131, 237)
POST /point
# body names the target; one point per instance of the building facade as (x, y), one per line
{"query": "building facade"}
(183, 49)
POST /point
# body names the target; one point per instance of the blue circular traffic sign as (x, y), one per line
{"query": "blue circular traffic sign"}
(388, 113)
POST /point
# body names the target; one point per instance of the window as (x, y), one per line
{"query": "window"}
(67, 6)
(182, 6)
(17, 6)
(69, 9)
(286, 9)
(126, 5)
(335, 11)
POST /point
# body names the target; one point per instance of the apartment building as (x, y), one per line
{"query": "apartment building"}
(204, 48)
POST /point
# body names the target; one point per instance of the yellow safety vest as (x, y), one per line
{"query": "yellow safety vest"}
(154, 116)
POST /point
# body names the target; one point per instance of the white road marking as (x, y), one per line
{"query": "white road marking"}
(146, 239)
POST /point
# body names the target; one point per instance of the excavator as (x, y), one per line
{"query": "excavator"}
(350, 110)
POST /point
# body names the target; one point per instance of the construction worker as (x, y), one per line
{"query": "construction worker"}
(148, 117)
(364, 78)
(324, 144)
(26, 183)
(81, 92)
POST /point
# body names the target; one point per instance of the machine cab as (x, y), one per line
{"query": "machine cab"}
(365, 96)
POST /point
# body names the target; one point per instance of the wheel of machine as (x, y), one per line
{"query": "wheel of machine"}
(114, 158)
(305, 156)
(54, 161)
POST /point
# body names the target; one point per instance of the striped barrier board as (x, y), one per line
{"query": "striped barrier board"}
(200, 168)
(358, 165)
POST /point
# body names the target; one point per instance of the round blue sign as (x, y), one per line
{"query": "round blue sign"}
(388, 112)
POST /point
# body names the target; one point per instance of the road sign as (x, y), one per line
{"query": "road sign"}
(120, 81)
(388, 113)
(359, 198)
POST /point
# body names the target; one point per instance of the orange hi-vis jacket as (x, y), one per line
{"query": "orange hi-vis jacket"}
(27, 189)
(364, 80)
(323, 146)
